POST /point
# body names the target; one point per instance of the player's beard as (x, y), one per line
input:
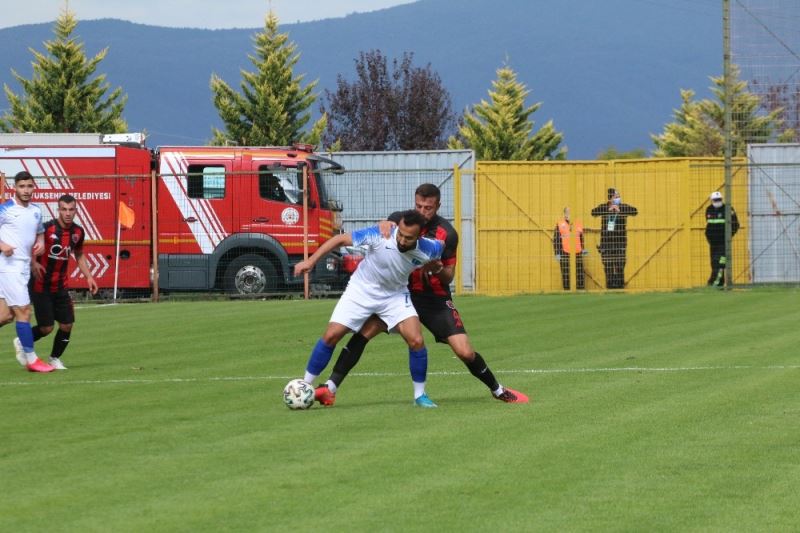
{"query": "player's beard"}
(403, 249)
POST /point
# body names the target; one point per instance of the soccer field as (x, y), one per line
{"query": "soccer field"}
(650, 412)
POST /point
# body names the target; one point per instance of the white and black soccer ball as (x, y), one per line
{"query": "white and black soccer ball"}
(298, 394)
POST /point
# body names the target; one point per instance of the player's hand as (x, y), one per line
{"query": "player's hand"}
(302, 267)
(614, 208)
(37, 269)
(433, 267)
(38, 248)
(93, 288)
(386, 227)
(558, 257)
(7, 249)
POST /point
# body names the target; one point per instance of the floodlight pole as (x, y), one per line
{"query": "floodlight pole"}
(728, 134)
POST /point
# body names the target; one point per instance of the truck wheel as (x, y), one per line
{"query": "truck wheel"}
(250, 274)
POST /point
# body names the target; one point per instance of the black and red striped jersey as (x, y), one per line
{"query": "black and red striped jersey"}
(59, 244)
(436, 228)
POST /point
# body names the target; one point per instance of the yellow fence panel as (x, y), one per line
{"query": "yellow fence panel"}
(518, 205)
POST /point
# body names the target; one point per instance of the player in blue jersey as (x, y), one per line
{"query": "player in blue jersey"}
(430, 294)
(379, 287)
(21, 238)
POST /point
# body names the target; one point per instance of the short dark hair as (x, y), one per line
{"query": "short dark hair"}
(67, 199)
(429, 190)
(22, 175)
(412, 218)
(611, 192)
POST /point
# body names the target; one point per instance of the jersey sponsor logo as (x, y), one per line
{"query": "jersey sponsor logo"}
(59, 253)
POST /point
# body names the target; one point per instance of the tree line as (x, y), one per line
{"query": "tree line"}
(391, 104)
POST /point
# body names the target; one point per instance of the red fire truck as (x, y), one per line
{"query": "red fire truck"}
(227, 218)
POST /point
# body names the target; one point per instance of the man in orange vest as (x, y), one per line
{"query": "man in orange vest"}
(565, 234)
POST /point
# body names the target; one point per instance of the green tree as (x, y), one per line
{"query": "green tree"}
(698, 128)
(272, 108)
(60, 96)
(405, 108)
(612, 153)
(501, 129)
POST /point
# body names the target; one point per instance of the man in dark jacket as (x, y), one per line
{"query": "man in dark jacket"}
(614, 237)
(715, 235)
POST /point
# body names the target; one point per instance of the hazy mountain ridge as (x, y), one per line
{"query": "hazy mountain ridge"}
(606, 73)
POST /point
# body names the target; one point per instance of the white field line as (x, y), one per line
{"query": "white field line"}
(146, 381)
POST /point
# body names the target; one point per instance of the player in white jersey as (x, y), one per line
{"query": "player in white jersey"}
(379, 286)
(21, 237)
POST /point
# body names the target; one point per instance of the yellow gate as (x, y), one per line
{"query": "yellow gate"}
(519, 203)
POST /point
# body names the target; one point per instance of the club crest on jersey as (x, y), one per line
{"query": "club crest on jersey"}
(75, 238)
(416, 262)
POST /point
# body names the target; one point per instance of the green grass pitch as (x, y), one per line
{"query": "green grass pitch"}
(650, 412)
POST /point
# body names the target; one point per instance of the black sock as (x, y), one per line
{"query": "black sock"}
(37, 333)
(480, 370)
(348, 358)
(60, 343)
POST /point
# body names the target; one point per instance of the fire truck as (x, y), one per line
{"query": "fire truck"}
(228, 218)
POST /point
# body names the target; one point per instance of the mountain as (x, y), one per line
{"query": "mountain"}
(607, 73)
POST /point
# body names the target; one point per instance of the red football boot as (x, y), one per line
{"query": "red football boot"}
(324, 395)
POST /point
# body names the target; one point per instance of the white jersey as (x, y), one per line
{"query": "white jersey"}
(385, 269)
(19, 227)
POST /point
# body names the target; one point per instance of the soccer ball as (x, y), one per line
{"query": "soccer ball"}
(298, 394)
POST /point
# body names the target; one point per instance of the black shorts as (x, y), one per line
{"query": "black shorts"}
(438, 314)
(52, 306)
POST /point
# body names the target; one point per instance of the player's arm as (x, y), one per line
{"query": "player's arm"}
(38, 246)
(343, 239)
(83, 266)
(386, 226)
(436, 267)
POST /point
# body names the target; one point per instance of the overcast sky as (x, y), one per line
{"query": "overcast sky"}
(189, 13)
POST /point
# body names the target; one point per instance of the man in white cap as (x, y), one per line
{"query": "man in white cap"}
(715, 235)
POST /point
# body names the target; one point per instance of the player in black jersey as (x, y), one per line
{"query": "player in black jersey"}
(49, 285)
(430, 293)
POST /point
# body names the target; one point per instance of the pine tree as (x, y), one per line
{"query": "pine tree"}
(60, 96)
(698, 128)
(272, 108)
(500, 130)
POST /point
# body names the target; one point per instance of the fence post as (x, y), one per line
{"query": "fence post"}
(154, 232)
(457, 221)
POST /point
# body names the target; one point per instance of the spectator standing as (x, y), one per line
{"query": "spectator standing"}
(614, 237)
(565, 234)
(715, 235)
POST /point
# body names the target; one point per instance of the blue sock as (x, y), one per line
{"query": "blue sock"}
(418, 364)
(25, 334)
(320, 357)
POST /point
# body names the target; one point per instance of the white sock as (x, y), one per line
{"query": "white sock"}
(31, 357)
(419, 389)
(309, 378)
(331, 386)
(499, 391)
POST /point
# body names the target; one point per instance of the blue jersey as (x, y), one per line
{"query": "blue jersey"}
(385, 269)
